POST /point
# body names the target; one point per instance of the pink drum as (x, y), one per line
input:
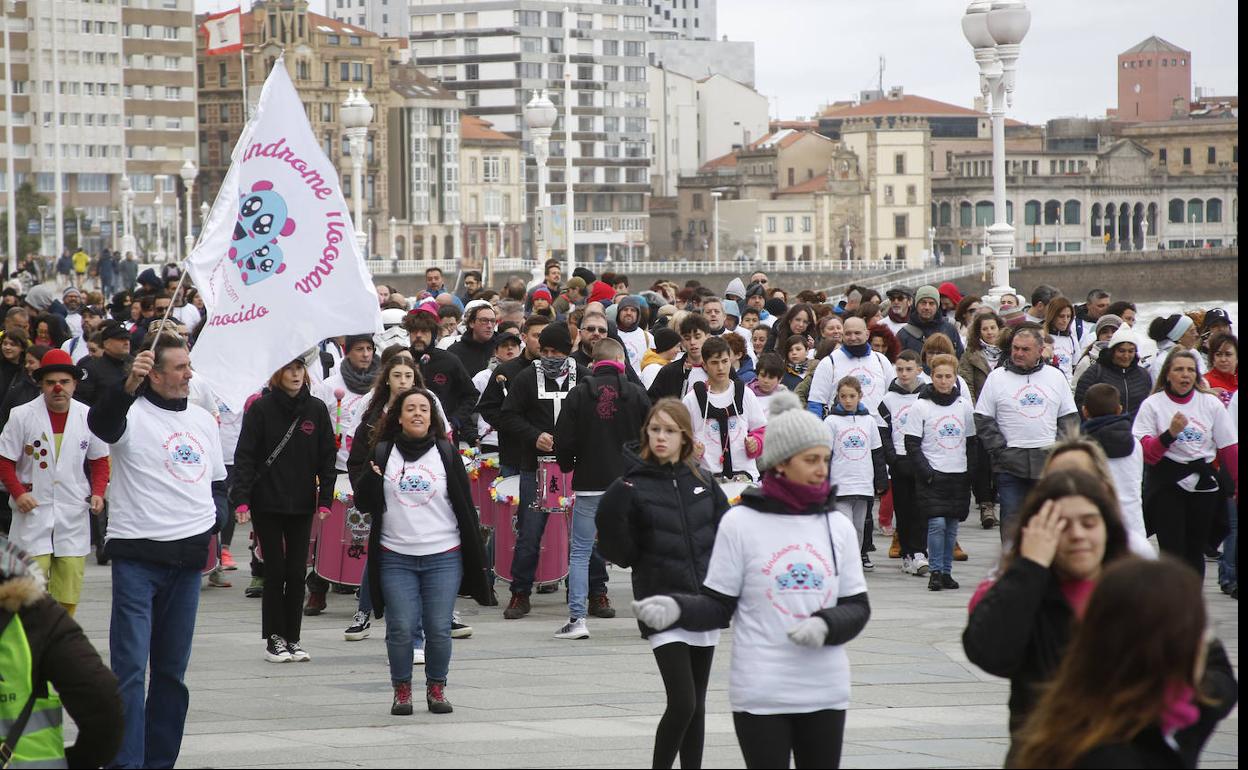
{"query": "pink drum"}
(214, 545)
(342, 547)
(554, 487)
(552, 562)
(482, 475)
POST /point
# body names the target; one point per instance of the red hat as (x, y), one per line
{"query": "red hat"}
(57, 360)
(947, 289)
(541, 292)
(600, 292)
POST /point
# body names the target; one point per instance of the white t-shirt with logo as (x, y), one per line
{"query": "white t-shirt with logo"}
(944, 430)
(854, 436)
(163, 467)
(419, 520)
(345, 416)
(783, 568)
(874, 373)
(636, 343)
(706, 429)
(1066, 351)
(1209, 427)
(899, 406)
(230, 426)
(1026, 406)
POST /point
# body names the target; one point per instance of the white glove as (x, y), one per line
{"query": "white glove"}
(658, 612)
(811, 632)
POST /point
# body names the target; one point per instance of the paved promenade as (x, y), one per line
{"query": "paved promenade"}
(524, 699)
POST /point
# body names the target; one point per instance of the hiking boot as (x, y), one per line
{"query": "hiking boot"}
(227, 561)
(435, 698)
(316, 603)
(216, 579)
(988, 515)
(947, 581)
(518, 607)
(359, 628)
(958, 553)
(600, 606)
(894, 550)
(459, 629)
(402, 706)
(254, 589)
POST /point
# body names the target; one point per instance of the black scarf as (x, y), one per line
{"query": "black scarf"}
(1010, 366)
(930, 393)
(413, 448)
(857, 351)
(359, 382)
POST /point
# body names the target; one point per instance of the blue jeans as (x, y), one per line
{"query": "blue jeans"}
(1011, 491)
(153, 619)
(1228, 565)
(942, 533)
(532, 525)
(366, 605)
(421, 587)
(584, 532)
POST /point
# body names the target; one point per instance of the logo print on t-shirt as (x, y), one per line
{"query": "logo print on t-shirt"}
(852, 443)
(800, 577)
(1031, 401)
(1194, 433)
(799, 582)
(865, 379)
(415, 484)
(948, 432)
(184, 458)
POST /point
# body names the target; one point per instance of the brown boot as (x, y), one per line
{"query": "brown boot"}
(518, 607)
(894, 550)
(316, 603)
(958, 553)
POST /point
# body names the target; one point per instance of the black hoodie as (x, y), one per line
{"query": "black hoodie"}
(600, 415)
(474, 355)
(1132, 383)
(301, 477)
(446, 377)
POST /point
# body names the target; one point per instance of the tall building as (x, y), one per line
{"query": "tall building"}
(496, 54)
(681, 19)
(1153, 76)
(112, 88)
(388, 18)
(893, 154)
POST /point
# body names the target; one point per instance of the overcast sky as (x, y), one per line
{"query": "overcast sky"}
(810, 52)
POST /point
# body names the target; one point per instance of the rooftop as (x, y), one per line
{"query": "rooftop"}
(906, 104)
(1154, 44)
(472, 128)
(778, 139)
(813, 185)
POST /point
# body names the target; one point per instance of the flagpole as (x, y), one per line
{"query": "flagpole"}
(242, 60)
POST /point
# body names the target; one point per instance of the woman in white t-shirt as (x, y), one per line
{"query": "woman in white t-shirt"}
(785, 569)
(1058, 323)
(425, 542)
(1183, 429)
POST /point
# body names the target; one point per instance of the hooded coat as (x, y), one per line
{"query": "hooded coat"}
(602, 413)
(914, 334)
(1132, 382)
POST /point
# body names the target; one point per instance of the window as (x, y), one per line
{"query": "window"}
(554, 19)
(1031, 213)
(966, 214)
(1161, 156)
(634, 48)
(806, 224)
(635, 22)
(473, 72)
(984, 213)
(554, 44)
(1187, 156)
(532, 45)
(1175, 210)
(524, 69)
(888, 192)
(1212, 156)
(901, 227)
(530, 18)
(635, 74)
(771, 224)
(1196, 211)
(610, 73)
(610, 48)
(912, 194)
(788, 224)
(1071, 212)
(1052, 213)
(899, 163)
(697, 201)
(470, 47)
(1213, 210)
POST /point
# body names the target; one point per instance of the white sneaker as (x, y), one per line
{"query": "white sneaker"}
(297, 653)
(275, 650)
(418, 657)
(921, 567)
(906, 566)
(575, 628)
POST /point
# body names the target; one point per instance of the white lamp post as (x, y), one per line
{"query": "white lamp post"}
(995, 29)
(1144, 231)
(569, 193)
(715, 196)
(159, 207)
(540, 115)
(10, 177)
(128, 245)
(758, 245)
(203, 214)
(189, 172)
(357, 113)
(394, 238)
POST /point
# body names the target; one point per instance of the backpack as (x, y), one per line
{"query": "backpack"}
(721, 416)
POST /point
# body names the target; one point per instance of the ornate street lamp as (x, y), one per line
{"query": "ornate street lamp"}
(357, 114)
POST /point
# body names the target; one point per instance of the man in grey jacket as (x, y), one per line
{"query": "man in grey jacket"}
(1022, 408)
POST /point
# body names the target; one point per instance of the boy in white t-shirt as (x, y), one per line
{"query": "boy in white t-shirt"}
(858, 466)
(767, 376)
(728, 420)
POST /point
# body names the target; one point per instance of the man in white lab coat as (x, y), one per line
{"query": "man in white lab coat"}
(56, 471)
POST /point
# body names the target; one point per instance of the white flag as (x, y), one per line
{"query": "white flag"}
(278, 265)
(224, 31)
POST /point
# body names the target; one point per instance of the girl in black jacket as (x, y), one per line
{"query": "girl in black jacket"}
(1168, 687)
(660, 519)
(1022, 620)
(284, 471)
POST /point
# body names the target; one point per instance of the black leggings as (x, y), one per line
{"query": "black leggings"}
(284, 540)
(1182, 521)
(911, 530)
(685, 671)
(813, 739)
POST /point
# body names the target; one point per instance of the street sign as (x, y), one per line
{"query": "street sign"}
(32, 227)
(106, 229)
(71, 227)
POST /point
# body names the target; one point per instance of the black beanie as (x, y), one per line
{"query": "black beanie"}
(776, 306)
(1161, 327)
(665, 339)
(558, 337)
(585, 274)
(354, 338)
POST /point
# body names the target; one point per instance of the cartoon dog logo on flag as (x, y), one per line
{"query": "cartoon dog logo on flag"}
(262, 219)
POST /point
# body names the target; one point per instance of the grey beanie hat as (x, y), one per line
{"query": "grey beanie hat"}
(790, 431)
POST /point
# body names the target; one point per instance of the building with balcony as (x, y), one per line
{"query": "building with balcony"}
(491, 192)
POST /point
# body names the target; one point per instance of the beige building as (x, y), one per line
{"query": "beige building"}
(1186, 146)
(893, 154)
(491, 192)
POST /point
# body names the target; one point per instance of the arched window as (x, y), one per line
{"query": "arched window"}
(1196, 210)
(1071, 212)
(984, 214)
(965, 214)
(946, 214)
(1031, 213)
(1096, 220)
(1052, 212)
(1213, 210)
(1176, 210)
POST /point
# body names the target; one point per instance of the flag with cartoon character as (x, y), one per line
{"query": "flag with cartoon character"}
(278, 265)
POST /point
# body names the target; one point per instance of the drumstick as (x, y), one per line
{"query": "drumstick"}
(339, 393)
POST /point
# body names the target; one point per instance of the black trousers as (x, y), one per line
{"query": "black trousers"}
(984, 481)
(813, 739)
(911, 529)
(682, 730)
(1182, 521)
(284, 539)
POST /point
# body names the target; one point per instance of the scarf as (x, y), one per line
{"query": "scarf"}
(359, 382)
(1179, 398)
(1179, 712)
(413, 448)
(857, 351)
(930, 393)
(794, 496)
(617, 366)
(992, 354)
(892, 316)
(799, 368)
(555, 367)
(1016, 369)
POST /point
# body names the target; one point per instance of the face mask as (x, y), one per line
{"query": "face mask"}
(553, 367)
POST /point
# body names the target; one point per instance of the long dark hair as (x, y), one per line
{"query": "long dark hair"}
(388, 429)
(974, 333)
(782, 327)
(380, 398)
(1071, 483)
(1148, 619)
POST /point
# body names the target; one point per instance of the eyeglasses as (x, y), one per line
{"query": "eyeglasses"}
(487, 321)
(594, 329)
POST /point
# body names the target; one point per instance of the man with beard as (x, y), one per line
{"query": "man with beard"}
(77, 346)
(717, 319)
(444, 375)
(495, 393)
(472, 285)
(105, 372)
(926, 320)
(72, 300)
(476, 345)
(900, 301)
(635, 339)
(594, 327)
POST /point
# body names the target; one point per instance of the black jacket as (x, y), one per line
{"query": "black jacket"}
(370, 498)
(914, 334)
(670, 381)
(1019, 630)
(941, 495)
(290, 485)
(1132, 383)
(449, 381)
(99, 374)
(1149, 748)
(526, 417)
(660, 520)
(22, 390)
(587, 361)
(1113, 433)
(474, 355)
(602, 413)
(491, 408)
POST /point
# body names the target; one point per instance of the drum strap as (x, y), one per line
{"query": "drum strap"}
(282, 444)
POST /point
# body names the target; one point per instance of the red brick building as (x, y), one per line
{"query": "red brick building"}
(1151, 76)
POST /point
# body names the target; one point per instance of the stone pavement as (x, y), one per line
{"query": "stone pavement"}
(524, 699)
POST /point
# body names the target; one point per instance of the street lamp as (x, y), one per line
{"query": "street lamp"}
(158, 205)
(357, 113)
(715, 196)
(540, 115)
(931, 245)
(188, 172)
(394, 238)
(995, 29)
(203, 214)
(1144, 231)
(128, 245)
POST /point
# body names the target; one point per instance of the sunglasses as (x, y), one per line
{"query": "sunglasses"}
(594, 329)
